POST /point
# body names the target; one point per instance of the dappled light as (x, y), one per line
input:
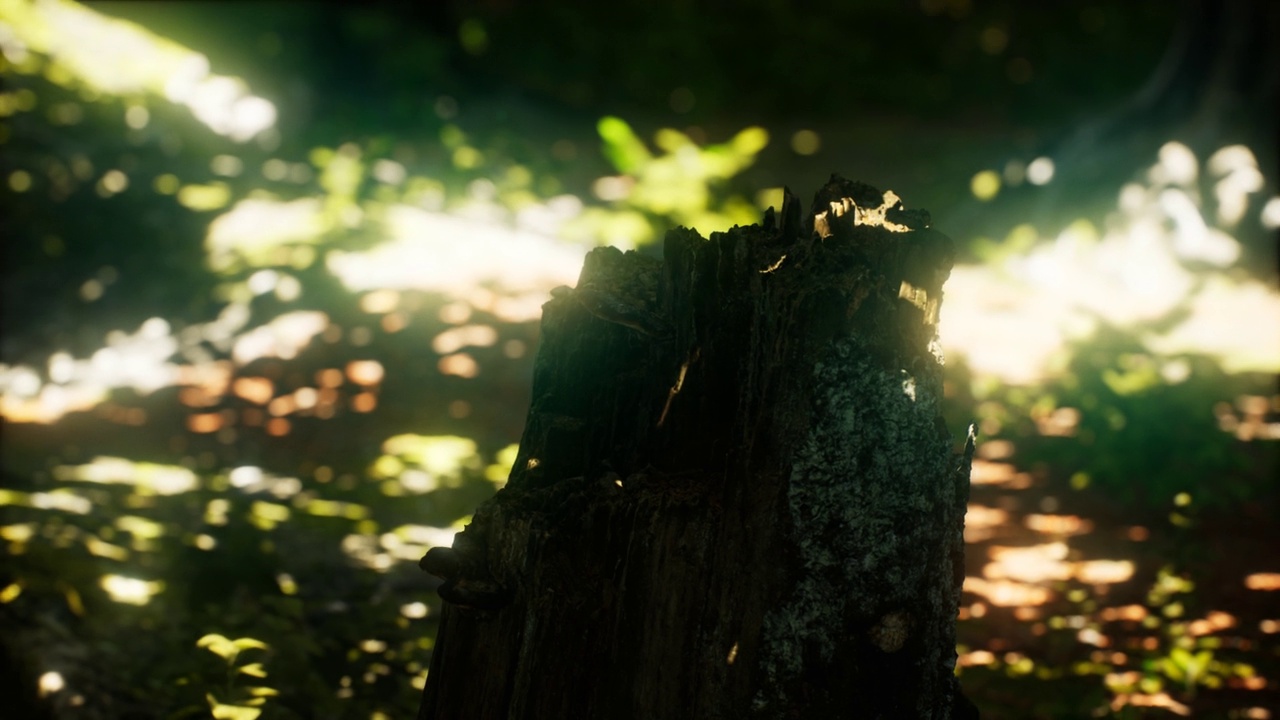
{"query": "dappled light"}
(266, 345)
(994, 473)
(147, 478)
(454, 256)
(980, 522)
(1060, 525)
(421, 464)
(1263, 581)
(1006, 593)
(131, 591)
(1042, 563)
(82, 47)
(251, 233)
(1013, 317)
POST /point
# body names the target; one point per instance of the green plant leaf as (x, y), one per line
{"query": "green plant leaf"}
(219, 645)
(236, 712)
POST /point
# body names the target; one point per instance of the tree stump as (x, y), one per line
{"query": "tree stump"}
(735, 496)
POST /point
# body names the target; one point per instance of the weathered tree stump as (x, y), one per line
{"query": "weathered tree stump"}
(735, 495)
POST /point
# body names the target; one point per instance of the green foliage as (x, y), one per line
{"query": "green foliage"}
(621, 146)
(1187, 660)
(322, 603)
(1154, 656)
(1138, 437)
(111, 581)
(684, 186)
(234, 701)
(1188, 669)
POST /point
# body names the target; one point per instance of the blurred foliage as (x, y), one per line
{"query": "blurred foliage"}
(133, 539)
(1154, 657)
(316, 579)
(237, 702)
(677, 188)
(1140, 428)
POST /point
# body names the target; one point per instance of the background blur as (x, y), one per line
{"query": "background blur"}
(273, 275)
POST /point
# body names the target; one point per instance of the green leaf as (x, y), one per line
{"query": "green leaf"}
(263, 691)
(219, 645)
(236, 712)
(245, 643)
(750, 141)
(621, 146)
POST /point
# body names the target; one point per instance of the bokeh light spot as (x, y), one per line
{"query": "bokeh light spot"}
(136, 117)
(473, 37)
(166, 184)
(1040, 171)
(985, 185)
(365, 372)
(19, 181)
(993, 40)
(459, 365)
(805, 142)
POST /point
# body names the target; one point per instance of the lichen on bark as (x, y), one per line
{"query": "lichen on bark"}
(869, 492)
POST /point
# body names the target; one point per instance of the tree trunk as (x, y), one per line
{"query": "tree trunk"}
(735, 496)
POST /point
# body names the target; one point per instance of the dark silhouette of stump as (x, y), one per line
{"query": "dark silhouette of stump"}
(735, 496)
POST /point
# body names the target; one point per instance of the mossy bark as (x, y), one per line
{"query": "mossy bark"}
(735, 496)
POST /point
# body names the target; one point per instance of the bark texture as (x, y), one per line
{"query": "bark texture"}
(735, 496)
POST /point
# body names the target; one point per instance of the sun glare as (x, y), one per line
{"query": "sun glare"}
(122, 58)
(454, 255)
(1011, 319)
